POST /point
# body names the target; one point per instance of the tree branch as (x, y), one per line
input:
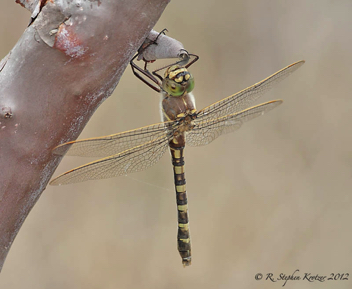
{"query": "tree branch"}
(67, 62)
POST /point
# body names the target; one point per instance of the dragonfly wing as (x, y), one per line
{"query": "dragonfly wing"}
(133, 160)
(115, 143)
(204, 132)
(241, 100)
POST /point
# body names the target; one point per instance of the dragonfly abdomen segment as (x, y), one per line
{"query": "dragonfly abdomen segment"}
(183, 234)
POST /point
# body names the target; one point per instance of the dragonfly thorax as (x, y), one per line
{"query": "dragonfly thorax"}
(177, 81)
(186, 121)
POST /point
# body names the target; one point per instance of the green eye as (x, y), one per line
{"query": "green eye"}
(190, 84)
(172, 88)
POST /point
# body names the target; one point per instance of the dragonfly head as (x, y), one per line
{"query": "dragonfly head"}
(177, 81)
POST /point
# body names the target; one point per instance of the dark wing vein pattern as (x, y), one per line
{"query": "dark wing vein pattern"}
(115, 143)
(241, 100)
(204, 132)
(133, 160)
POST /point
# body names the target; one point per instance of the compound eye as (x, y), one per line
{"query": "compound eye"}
(173, 88)
(176, 89)
(190, 84)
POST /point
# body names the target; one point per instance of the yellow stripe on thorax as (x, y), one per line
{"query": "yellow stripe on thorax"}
(167, 117)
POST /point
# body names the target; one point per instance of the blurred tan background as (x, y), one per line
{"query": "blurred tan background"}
(271, 198)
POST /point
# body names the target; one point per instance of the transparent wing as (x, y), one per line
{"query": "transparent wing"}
(115, 143)
(133, 160)
(204, 132)
(241, 100)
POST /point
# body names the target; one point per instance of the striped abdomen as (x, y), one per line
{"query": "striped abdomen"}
(183, 235)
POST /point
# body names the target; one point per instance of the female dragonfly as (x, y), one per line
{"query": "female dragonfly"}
(138, 149)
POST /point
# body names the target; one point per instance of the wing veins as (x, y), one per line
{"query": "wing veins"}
(238, 101)
(131, 160)
(205, 131)
(113, 144)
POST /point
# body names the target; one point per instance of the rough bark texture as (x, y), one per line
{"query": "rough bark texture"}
(66, 63)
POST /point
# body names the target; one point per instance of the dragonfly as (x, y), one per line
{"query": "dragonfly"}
(138, 149)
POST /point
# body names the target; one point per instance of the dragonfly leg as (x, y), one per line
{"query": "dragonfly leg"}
(147, 42)
(196, 57)
(137, 70)
(161, 32)
(145, 71)
(184, 57)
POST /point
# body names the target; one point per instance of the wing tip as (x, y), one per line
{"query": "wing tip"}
(297, 64)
